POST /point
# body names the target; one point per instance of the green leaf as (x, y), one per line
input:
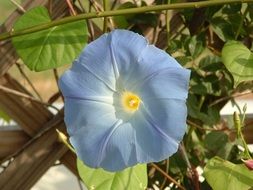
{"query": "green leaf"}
(210, 63)
(215, 140)
(209, 116)
(238, 59)
(222, 28)
(232, 9)
(211, 11)
(148, 19)
(125, 21)
(250, 10)
(49, 48)
(195, 47)
(177, 164)
(121, 21)
(222, 174)
(4, 116)
(183, 60)
(133, 178)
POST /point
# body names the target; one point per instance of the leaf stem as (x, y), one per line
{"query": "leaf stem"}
(167, 176)
(184, 154)
(28, 80)
(246, 149)
(195, 125)
(193, 172)
(106, 8)
(64, 139)
(90, 15)
(234, 95)
(56, 77)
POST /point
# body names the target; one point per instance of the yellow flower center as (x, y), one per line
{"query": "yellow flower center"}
(130, 101)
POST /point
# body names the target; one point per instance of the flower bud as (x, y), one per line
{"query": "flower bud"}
(248, 164)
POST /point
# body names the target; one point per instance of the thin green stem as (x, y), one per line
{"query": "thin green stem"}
(238, 125)
(90, 15)
(106, 8)
(246, 149)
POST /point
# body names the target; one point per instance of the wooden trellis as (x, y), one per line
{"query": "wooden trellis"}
(36, 148)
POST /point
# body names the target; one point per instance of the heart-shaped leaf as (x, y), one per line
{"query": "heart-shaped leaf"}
(238, 59)
(133, 178)
(222, 174)
(52, 47)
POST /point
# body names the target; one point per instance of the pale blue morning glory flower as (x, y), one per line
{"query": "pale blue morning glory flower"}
(124, 102)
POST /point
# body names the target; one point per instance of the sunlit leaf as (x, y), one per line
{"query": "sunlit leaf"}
(222, 174)
(133, 178)
(49, 48)
(238, 59)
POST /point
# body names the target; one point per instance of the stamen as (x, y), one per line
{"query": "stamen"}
(130, 101)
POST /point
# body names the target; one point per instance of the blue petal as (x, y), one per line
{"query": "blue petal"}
(160, 126)
(170, 83)
(100, 133)
(109, 57)
(96, 58)
(88, 123)
(154, 59)
(169, 114)
(120, 149)
(87, 113)
(126, 47)
(91, 142)
(78, 82)
(151, 60)
(100, 139)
